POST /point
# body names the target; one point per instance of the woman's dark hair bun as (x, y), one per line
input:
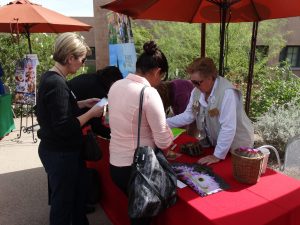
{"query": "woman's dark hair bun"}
(150, 48)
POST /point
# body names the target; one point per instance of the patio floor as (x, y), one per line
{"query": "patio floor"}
(23, 184)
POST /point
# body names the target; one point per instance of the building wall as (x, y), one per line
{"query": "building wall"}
(97, 37)
(101, 34)
(293, 38)
(291, 30)
(89, 36)
(293, 25)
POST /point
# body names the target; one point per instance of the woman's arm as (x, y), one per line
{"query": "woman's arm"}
(95, 111)
(185, 118)
(88, 103)
(156, 118)
(227, 120)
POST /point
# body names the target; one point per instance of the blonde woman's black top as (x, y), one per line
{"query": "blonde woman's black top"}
(56, 112)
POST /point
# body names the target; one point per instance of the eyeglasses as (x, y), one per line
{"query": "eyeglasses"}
(197, 82)
(83, 60)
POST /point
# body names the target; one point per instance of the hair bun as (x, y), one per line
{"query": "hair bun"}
(150, 48)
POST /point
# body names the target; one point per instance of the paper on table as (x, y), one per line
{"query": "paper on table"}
(180, 184)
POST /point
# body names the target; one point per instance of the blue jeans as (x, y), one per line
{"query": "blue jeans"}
(67, 182)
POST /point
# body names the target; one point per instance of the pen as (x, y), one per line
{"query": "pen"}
(173, 147)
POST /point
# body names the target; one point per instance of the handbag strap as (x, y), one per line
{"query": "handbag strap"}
(148, 181)
(140, 115)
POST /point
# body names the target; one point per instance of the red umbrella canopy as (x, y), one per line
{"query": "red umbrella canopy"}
(23, 16)
(206, 11)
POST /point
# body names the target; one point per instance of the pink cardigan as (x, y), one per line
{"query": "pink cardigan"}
(123, 100)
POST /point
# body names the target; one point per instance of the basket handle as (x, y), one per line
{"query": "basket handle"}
(276, 153)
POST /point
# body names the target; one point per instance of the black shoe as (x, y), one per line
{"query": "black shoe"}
(89, 209)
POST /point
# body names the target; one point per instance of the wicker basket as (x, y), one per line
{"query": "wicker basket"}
(245, 169)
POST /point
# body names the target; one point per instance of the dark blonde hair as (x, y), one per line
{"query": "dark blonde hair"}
(67, 44)
(205, 66)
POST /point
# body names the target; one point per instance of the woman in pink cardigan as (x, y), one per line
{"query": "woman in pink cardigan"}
(123, 98)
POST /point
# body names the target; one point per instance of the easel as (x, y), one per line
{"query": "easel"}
(27, 129)
(26, 101)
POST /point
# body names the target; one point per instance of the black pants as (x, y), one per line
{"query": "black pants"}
(121, 176)
(67, 180)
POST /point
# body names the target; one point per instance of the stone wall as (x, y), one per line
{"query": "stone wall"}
(101, 34)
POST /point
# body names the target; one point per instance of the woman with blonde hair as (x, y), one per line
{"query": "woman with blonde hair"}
(60, 132)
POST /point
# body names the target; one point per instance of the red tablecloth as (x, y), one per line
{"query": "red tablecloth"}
(274, 200)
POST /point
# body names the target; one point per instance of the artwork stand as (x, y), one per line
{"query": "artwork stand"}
(26, 111)
(25, 93)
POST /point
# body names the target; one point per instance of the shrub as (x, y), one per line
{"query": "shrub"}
(280, 124)
(273, 88)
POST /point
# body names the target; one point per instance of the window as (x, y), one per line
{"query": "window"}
(291, 54)
(93, 54)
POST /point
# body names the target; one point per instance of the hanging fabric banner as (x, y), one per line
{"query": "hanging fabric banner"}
(25, 77)
(121, 45)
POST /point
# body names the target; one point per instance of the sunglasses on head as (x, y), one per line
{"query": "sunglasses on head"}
(197, 82)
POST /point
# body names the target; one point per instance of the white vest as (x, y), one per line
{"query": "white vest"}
(244, 135)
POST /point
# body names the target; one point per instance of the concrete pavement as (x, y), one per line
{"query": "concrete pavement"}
(23, 184)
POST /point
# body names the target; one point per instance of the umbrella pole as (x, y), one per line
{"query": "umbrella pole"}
(203, 39)
(251, 67)
(27, 34)
(222, 40)
(29, 43)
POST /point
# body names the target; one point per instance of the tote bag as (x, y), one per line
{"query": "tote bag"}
(152, 185)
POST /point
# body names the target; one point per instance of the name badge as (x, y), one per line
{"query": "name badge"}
(213, 112)
(196, 107)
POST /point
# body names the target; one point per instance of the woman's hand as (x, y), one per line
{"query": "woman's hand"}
(95, 111)
(88, 103)
(210, 159)
(169, 152)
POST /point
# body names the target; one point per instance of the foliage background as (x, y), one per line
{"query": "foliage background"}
(273, 85)
(275, 96)
(12, 50)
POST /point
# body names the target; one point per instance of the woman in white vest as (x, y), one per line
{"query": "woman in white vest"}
(217, 107)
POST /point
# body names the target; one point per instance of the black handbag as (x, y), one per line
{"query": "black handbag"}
(91, 150)
(152, 185)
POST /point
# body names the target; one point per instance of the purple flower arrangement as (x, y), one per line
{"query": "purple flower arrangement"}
(248, 152)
